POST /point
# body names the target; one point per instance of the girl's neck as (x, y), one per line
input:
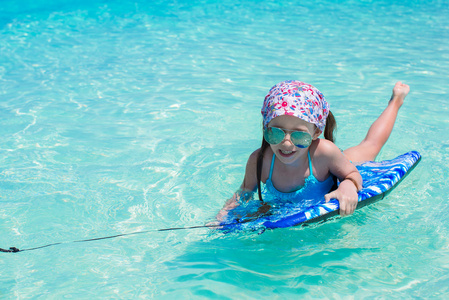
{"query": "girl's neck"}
(301, 161)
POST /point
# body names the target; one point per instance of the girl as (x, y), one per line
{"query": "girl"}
(294, 165)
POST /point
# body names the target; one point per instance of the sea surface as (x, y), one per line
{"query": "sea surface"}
(124, 116)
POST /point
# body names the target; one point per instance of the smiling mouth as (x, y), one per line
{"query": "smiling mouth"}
(286, 153)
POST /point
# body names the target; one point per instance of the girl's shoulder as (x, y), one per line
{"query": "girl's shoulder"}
(252, 160)
(250, 180)
(321, 148)
(324, 154)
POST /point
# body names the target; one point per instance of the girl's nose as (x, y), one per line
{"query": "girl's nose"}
(287, 138)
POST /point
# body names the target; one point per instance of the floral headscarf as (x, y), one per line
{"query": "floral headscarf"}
(296, 98)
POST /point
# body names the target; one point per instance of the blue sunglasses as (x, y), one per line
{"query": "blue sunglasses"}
(275, 135)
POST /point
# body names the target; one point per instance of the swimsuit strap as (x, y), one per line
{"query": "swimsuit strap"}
(310, 163)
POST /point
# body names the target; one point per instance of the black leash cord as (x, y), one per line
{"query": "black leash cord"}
(15, 250)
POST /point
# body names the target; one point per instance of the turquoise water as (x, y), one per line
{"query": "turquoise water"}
(120, 116)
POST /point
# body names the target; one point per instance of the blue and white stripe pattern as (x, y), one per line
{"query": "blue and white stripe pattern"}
(379, 178)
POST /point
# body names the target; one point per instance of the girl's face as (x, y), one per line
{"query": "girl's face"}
(286, 151)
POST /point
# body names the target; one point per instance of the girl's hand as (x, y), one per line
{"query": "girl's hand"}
(230, 204)
(238, 197)
(346, 194)
(221, 216)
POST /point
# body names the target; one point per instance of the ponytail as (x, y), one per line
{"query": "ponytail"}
(331, 126)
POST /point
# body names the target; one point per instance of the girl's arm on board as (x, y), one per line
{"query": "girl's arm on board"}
(347, 173)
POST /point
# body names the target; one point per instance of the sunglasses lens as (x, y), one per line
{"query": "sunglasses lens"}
(273, 135)
(301, 139)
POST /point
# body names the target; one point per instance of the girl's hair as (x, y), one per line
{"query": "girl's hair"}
(331, 126)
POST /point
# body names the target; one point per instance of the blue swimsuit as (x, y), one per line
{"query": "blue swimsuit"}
(310, 194)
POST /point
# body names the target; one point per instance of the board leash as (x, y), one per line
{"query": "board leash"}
(15, 250)
(238, 221)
